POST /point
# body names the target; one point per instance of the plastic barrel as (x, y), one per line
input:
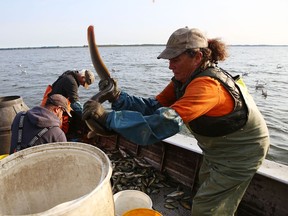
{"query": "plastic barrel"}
(9, 107)
(66, 178)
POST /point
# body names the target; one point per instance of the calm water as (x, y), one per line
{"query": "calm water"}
(27, 72)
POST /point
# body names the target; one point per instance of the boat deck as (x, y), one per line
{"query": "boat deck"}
(169, 196)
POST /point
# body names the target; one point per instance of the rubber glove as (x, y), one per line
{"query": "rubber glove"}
(113, 94)
(94, 110)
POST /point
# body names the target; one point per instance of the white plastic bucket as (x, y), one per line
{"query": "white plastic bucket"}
(56, 179)
(131, 199)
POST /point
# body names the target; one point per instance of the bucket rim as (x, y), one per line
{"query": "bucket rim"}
(125, 195)
(27, 153)
(10, 100)
(116, 195)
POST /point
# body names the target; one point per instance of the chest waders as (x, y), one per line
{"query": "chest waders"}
(230, 162)
(20, 134)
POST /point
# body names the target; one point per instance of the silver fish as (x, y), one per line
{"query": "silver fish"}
(185, 204)
(170, 200)
(170, 206)
(175, 194)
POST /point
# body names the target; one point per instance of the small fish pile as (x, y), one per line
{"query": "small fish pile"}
(131, 173)
(177, 197)
(135, 173)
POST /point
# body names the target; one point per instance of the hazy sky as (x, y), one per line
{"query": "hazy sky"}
(33, 23)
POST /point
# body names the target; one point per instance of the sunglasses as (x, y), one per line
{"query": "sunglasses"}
(62, 109)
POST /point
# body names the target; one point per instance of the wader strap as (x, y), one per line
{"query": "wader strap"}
(40, 134)
(20, 133)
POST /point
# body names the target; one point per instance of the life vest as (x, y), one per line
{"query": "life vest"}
(45, 96)
(213, 126)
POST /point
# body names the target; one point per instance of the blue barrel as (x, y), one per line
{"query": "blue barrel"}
(9, 107)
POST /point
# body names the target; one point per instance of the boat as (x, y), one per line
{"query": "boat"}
(180, 158)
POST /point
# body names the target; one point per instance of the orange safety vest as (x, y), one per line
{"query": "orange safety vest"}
(65, 118)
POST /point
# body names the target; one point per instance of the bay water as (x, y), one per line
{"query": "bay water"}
(27, 72)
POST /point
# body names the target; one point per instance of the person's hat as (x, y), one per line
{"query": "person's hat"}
(59, 100)
(89, 77)
(181, 40)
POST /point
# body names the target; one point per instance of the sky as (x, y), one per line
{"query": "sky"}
(37, 23)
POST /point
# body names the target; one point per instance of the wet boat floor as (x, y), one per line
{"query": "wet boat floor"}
(159, 202)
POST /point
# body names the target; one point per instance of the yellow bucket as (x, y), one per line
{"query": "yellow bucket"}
(3, 156)
(142, 212)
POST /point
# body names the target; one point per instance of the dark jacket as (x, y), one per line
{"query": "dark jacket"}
(67, 85)
(35, 120)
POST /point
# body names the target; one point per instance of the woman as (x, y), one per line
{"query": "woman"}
(215, 106)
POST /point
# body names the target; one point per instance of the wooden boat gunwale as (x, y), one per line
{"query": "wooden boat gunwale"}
(270, 169)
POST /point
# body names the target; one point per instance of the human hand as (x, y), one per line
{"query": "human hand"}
(111, 94)
(94, 110)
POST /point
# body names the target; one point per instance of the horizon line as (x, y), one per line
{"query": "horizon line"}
(118, 45)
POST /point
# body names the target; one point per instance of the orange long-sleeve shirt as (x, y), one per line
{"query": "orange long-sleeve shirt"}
(203, 96)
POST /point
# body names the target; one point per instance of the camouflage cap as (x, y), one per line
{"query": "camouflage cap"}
(183, 39)
(89, 77)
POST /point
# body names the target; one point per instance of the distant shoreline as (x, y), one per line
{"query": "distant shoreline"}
(57, 47)
(130, 45)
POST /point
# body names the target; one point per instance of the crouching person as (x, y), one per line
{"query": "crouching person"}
(39, 125)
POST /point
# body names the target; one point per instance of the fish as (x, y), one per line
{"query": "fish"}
(98, 64)
(123, 153)
(155, 191)
(170, 200)
(151, 181)
(142, 163)
(104, 75)
(185, 204)
(170, 206)
(145, 178)
(187, 197)
(175, 194)
(159, 185)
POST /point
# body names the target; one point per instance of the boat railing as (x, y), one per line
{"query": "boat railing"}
(270, 169)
